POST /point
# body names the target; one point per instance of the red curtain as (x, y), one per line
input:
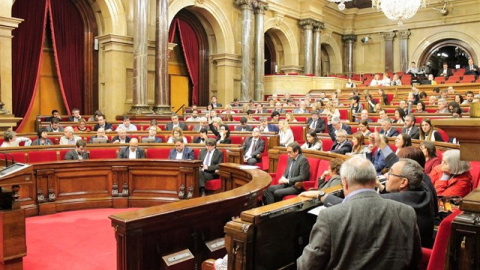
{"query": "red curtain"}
(189, 41)
(68, 46)
(27, 45)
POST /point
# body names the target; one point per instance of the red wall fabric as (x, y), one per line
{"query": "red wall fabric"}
(190, 51)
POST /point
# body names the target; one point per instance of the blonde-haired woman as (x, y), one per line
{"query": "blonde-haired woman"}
(177, 132)
(286, 134)
(330, 109)
(290, 118)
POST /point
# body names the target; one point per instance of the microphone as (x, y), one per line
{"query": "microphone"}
(6, 160)
(13, 160)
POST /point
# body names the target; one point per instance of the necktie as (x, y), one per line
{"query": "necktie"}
(254, 145)
(338, 146)
(313, 124)
(207, 159)
(290, 170)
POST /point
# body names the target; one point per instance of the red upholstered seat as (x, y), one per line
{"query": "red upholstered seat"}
(434, 258)
(327, 144)
(63, 152)
(107, 153)
(343, 114)
(475, 172)
(42, 156)
(282, 164)
(322, 166)
(298, 133)
(468, 79)
(444, 135)
(237, 139)
(159, 153)
(313, 175)
(19, 156)
(440, 80)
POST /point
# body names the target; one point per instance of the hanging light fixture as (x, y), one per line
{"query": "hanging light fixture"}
(341, 3)
(399, 10)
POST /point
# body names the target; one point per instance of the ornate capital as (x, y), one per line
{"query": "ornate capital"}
(350, 37)
(318, 26)
(244, 4)
(260, 6)
(307, 24)
(404, 34)
(388, 36)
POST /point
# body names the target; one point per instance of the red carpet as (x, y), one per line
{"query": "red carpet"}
(71, 240)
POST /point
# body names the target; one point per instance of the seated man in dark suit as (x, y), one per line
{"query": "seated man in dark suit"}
(175, 123)
(203, 136)
(317, 123)
(54, 126)
(357, 234)
(410, 127)
(121, 136)
(79, 152)
(243, 125)
(445, 72)
(266, 127)
(297, 170)
(181, 151)
(55, 114)
(471, 69)
(214, 102)
(387, 128)
(132, 151)
(334, 125)
(102, 124)
(100, 135)
(211, 157)
(342, 145)
(152, 132)
(253, 148)
(75, 115)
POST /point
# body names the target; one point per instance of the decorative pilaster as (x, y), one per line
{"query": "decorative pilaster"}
(317, 48)
(162, 91)
(140, 55)
(307, 26)
(259, 7)
(388, 37)
(403, 35)
(247, 10)
(349, 41)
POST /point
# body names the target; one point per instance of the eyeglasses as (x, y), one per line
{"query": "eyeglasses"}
(397, 175)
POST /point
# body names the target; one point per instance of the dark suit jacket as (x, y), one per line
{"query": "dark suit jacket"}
(273, 128)
(320, 125)
(197, 140)
(469, 71)
(258, 149)
(116, 138)
(449, 73)
(124, 152)
(393, 132)
(247, 128)
(227, 140)
(215, 160)
(107, 126)
(187, 154)
(331, 130)
(71, 119)
(218, 105)
(346, 147)
(169, 126)
(73, 155)
(348, 236)
(414, 132)
(300, 171)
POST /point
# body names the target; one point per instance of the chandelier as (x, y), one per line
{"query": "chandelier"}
(399, 10)
(341, 5)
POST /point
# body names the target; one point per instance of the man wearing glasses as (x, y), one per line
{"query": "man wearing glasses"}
(297, 170)
(342, 144)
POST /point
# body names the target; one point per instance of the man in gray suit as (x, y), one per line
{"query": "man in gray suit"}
(211, 158)
(410, 127)
(365, 231)
(175, 123)
(297, 170)
(181, 151)
(133, 151)
(79, 152)
(253, 148)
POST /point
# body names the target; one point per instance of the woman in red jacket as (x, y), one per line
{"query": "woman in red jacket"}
(452, 177)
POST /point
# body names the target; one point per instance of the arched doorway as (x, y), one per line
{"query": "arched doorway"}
(270, 56)
(189, 18)
(454, 52)
(325, 62)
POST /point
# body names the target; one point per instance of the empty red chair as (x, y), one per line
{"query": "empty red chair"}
(42, 156)
(440, 80)
(468, 79)
(158, 153)
(282, 164)
(107, 153)
(19, 156)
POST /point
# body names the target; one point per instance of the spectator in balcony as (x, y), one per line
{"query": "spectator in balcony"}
(452, 177)
(102, 124)
(132, 151)
(121, 136)
(175, 123)
(79, 153)
(428, 132)
(442, 106)
(181, 152)
(54, 126)
(127, 125)
(69, 138)
(386, 80)
(421, 107)
(42, 138)
(285, 132)
(312, 141)
(396, 81)
(413, 70)
(350, 84)
(471, 69)
(430, 152)
(82, 126)
(376, 81)
(177, 132)
(445, 72)
(100, 135)
(75, 116)
(399, 116)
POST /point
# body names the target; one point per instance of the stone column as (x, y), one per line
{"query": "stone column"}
(307, 26)
(162, 91)
(388, 37)
(349, 41)
(317, 48)
(140, 55)
(246, 5)
(403, 35)
(260, 8)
